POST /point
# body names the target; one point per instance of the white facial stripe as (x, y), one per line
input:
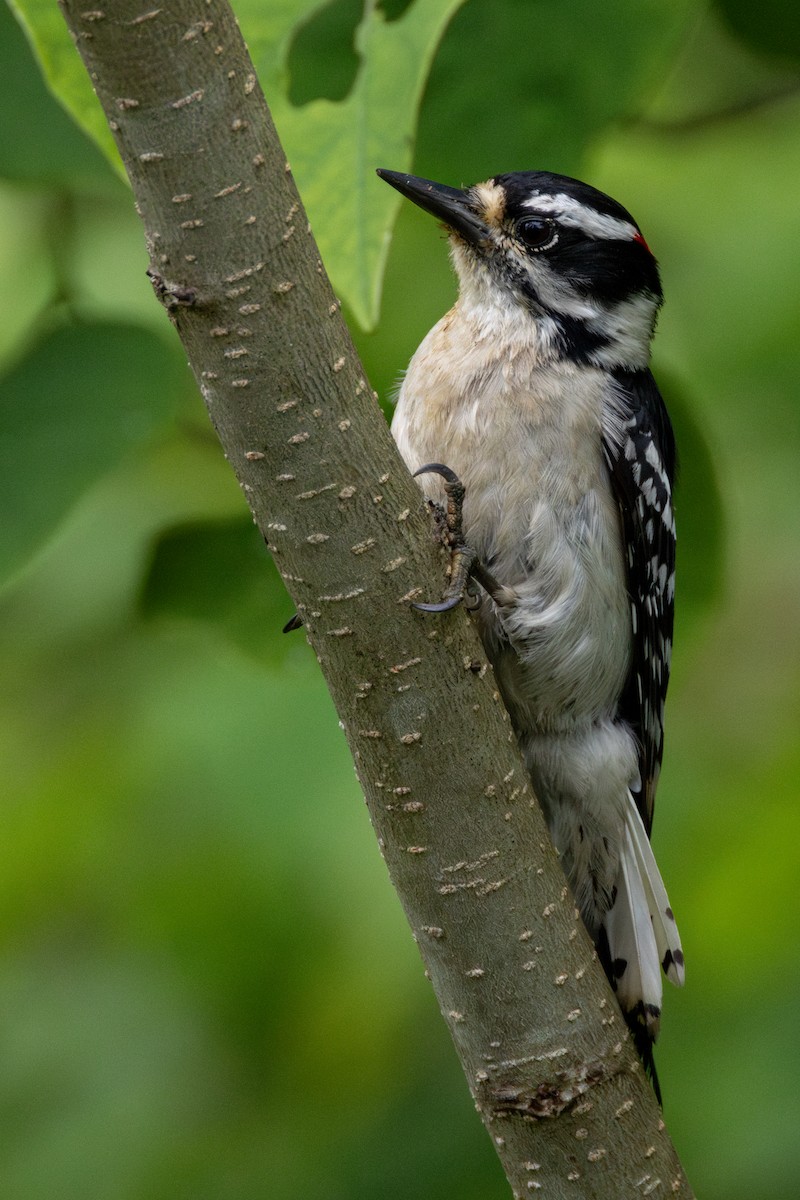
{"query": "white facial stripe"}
(628, 325)
(571, 212)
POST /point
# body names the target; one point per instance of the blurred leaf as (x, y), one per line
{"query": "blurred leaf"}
(38, 141)
(220, 573)
(772, 27)
(82, 398)
(27, 278)
(66, 76)
(716, 76)
(520, 86)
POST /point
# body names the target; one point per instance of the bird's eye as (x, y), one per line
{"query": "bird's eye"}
(538, 233)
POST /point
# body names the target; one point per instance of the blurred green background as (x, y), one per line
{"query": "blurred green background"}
(207, 987)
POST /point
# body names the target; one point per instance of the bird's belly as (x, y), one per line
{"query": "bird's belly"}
(539, 511)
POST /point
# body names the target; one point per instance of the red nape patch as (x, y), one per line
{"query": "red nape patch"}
(637, 237)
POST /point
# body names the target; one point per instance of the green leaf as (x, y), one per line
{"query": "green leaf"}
(219, 573)
(334, 148)
(83, 398)
(63, 70)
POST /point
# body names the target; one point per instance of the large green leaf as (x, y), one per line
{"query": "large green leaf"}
(81, 399)
(334, 148)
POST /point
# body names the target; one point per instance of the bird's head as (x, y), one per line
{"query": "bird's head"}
(567, 254)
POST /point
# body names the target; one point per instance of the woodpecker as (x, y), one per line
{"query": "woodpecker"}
(530, 411)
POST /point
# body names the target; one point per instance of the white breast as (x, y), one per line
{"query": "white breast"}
(524, 435)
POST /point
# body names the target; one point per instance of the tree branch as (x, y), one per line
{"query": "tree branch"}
(542, 1042)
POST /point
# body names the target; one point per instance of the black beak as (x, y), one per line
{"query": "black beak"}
(450, 205)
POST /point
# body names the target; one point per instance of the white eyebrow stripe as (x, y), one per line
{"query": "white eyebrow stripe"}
(571, 212)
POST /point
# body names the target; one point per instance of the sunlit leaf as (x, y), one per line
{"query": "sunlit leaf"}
(334, 147)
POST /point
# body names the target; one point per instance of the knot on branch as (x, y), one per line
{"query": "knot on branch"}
(551, 1098)
(171, 295)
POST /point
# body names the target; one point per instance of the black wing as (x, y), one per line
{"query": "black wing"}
(639, 448)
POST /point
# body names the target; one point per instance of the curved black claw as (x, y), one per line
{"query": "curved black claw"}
(442, 606)
(438, 469)
(295, 622)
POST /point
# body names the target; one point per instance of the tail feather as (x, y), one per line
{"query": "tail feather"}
(666, 931)
(633, 950)
(640, 938)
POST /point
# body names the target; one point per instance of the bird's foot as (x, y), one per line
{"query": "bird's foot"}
(464, 562)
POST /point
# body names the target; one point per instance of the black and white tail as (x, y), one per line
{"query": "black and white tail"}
(642, 939)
